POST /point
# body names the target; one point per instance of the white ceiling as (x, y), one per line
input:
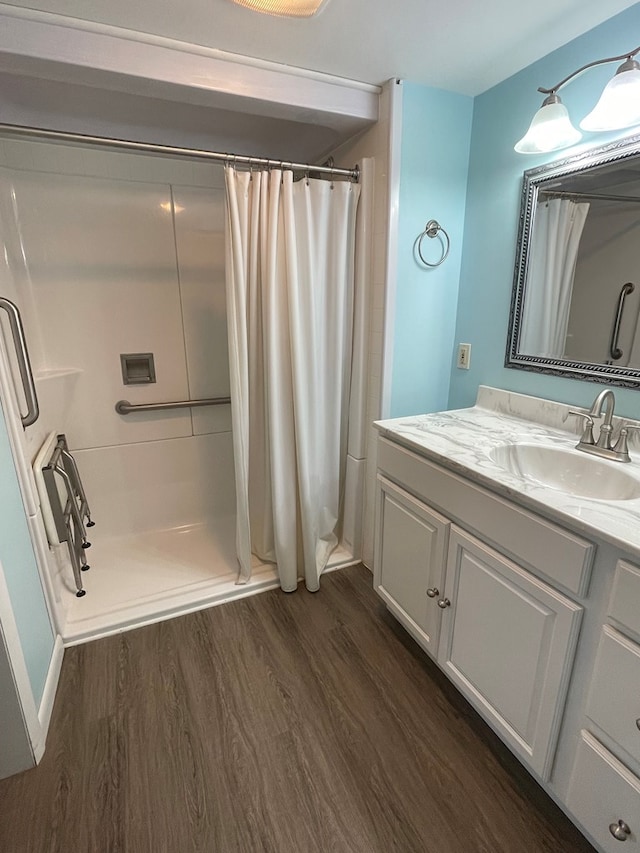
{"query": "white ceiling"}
(461, 45)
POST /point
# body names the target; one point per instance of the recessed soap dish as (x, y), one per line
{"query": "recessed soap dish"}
(138, 368)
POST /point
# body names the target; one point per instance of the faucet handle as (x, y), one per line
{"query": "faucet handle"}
(621, 445)
(587, 435)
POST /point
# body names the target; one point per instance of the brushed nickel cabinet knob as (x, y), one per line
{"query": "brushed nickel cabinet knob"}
(433, 591)
(619, 830)
(443, 603)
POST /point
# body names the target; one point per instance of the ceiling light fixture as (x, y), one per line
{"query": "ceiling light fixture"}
(284, 8)
(618, 107)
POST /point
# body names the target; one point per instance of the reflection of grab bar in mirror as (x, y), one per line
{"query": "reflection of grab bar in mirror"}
(614, 350)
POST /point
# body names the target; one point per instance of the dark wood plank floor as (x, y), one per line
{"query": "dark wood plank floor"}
(291, 723)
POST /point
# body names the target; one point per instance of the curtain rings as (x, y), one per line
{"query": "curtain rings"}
(432, 229)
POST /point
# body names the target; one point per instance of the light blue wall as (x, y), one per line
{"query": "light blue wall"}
(436, 132)
(21, 573)
(501, 117)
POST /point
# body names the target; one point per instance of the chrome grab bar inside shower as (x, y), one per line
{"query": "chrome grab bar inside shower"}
(614, 350)
(124, 407)
(24, 365)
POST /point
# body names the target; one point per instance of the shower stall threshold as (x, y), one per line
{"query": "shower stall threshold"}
(140, 579)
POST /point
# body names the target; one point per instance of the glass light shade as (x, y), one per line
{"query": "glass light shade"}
(619, 104)
(549, 130)
(284, 8)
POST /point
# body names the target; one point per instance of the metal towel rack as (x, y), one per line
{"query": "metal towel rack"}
(124, 407)
(69, 519)
(432, 229)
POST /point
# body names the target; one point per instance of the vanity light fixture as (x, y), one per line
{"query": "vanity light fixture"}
(284, 8)
(618, 107)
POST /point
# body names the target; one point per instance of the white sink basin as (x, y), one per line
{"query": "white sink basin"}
(569, 471)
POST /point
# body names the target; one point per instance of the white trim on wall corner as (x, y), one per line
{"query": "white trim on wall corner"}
(49, 694)
(393, 179)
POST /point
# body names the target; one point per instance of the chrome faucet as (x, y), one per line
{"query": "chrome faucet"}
(607, 399)
(603, 447)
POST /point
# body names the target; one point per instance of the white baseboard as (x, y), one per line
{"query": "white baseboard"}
(49, 692)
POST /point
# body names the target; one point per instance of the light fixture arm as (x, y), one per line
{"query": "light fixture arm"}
(554, 89)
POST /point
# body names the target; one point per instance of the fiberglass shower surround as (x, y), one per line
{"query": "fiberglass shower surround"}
(102, 265)
(128, 258)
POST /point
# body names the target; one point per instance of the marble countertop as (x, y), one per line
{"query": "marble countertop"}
(463, 439)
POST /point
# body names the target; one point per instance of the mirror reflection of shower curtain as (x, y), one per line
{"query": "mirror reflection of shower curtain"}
(553, 254)
(290, 278)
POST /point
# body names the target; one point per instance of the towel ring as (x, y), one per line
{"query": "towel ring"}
(432, 229)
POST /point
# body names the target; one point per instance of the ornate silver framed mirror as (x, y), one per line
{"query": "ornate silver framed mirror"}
(575, 309)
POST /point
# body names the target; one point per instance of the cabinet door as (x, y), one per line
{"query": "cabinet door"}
(410, 558)
(507, 643)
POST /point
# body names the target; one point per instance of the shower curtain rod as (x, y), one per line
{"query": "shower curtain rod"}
(171, 150)
(589, 196)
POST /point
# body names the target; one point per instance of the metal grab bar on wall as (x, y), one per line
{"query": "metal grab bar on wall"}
(24, 365)
(614, 350)
(124, 407)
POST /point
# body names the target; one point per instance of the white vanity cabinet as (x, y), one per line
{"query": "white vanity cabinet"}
(522, 580)
(485, 608)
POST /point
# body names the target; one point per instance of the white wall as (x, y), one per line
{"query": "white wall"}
(107, 274)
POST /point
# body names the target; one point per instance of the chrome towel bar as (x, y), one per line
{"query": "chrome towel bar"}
(124, 407)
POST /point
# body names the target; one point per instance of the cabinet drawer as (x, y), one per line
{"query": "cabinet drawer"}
(554, 553)
(603, 792)
(614, 699)
(625, 595)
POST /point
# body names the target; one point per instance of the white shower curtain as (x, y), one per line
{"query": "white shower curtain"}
(553, 254)
(290, 265)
